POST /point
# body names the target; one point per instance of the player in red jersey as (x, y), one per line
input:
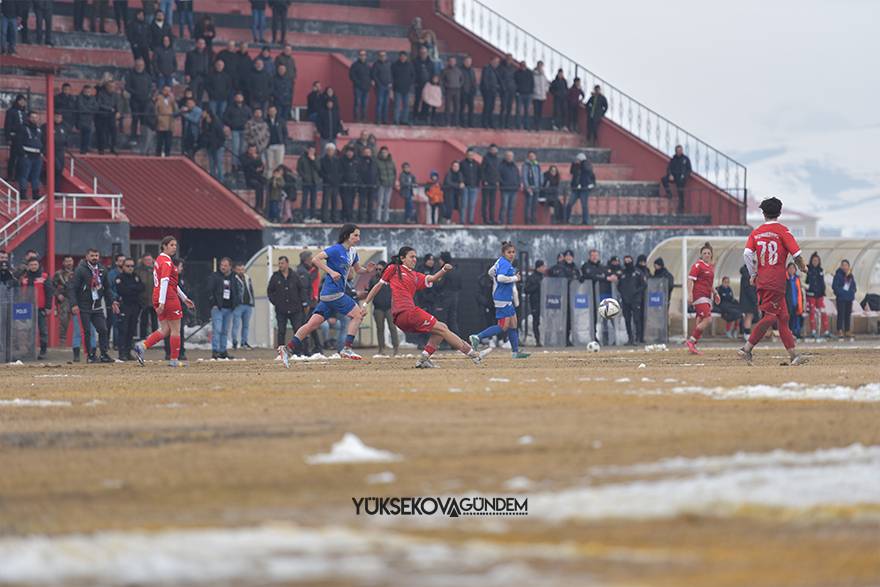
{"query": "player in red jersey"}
(167, 297)
(404, 283)
(701, 277)
(766, 254)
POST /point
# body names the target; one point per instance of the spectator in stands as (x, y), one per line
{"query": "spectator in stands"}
(138, 33)
(490, 178)
(254, 175)
(539, 95)
(197, 67)
(361, 80)
(288, 293)
(213, 140)
(368, 175)
(65, 104)
(256, 133)
(816, 297)
(9, 27)
(244, 67)
(23, 9)
(89, 299)
(159, 29)
(329, 124)
(452, 79)
(86, 109)
(844, 287)
(632, 286)
(583, 180)
(150, 128)
(235, 117)
(559, 91)
(424, 69)
(597, 106)
(470, 174)
(532, 181)
(277, 138)
(403, 76)
(330, 94)
(315, 102)
(62, 132)
(120, 16)
(407, 182)
(16, 117)
(309, 172)
(108, 114)
(511, 182)
(434, 192)
(265, 56)
(222, 298)
(286, 59)
(258, 20)
(728, 307)
(525, 90)
(166, 110)
(259, 86)
(507, 77)
(230, 57)
(677, 171)
(121, 104)
(331, 178)
(350, 179)
(468, 92)
(44, 10)
(387, 176)
(362, 142)
(453, 188)
(382, 312)
(167, 6)
(573, 105)
(79, 14)
(219, 86)
(192, 115)
(30, 165)
(551, 195)
(380, 73)
(139, 85)
(165, 63)
(420, 38)
(205, 30)
(279, 20)
(185, 17)
(432, 99)
(532, 289)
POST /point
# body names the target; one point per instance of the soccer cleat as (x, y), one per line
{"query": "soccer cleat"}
(745, 356)
(475, 341)
(425, 363)
(520, 355)
(347, 353)
(692, 347)
(174, 363)
(284, 353)
(139, 353)
(478, 356)
(798, 360)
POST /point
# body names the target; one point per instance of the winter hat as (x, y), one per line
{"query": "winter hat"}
(581, 157)
(539, 263)
(659, 262)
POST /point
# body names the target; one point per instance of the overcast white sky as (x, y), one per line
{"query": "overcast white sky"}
(788, 87)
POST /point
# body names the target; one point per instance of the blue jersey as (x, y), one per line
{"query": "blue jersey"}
(340, 260)
(503, 282)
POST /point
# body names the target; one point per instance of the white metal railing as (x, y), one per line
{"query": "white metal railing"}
(11, 201)
(33, 214)
(73, 206)
(721, 170)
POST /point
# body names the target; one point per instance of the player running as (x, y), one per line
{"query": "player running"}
(504, 293)
(766, 253)
(701, 277)
(336, 262)
(404, 283)
(167, 297)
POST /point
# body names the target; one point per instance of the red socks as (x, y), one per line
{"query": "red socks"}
(156, 338)
(175, 347)
(430, 349)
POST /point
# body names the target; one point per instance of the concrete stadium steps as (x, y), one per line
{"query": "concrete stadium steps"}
(552, 154)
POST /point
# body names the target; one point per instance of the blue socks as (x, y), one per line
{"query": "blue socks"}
(296, 345)
(513, 337)
(349, 340)
(491, 331)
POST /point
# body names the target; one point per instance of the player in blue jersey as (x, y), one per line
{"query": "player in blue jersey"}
(336, 262)
(505, 295)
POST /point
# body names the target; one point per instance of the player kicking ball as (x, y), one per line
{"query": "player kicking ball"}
(766, 253)
(404, 282)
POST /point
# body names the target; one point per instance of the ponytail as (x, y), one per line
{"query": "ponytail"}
(708, 246)
(505, 246)
(398, 259)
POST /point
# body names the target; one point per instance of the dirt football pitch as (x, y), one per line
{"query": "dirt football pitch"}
(638, 468)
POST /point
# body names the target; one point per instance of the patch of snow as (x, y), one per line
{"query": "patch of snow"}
(33, 403)
(788, 391)
(381, 478)
(525, 440)
(499, 380)
(518, 483)
(352, 450)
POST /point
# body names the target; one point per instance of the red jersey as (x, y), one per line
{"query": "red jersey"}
(703, 276)
(404, 287)
(769, 246)
(162, 268)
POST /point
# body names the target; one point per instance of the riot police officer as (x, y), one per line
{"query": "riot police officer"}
(129, 288)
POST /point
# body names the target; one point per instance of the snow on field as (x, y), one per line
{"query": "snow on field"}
(787, 391)
(351, 449)
(33, 403)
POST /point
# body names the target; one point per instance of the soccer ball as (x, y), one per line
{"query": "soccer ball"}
(609, 308)
(593, 347)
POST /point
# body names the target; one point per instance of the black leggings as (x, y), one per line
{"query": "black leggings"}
(844, 315)
(96, 319)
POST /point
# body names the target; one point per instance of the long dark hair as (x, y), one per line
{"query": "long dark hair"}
(345, 232)
(165, 242)
(398, 259)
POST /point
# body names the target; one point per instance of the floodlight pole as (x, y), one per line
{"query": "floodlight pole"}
(50, 186)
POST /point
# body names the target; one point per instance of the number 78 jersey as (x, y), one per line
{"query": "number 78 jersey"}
(768, 247)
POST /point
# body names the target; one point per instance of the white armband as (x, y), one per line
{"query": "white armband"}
(749, 259)
(182, 295)
(163, 290)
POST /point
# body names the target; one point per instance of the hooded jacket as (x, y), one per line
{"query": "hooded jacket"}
(815, 279)
(81, 286)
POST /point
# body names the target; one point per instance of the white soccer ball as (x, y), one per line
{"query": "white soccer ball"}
(593, 347)
(609, 308)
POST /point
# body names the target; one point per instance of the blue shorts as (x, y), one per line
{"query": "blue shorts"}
(505, 312)
(342, 305)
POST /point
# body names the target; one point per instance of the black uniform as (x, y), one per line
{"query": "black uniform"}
(533, 291)
(129, 288)
(632, 286)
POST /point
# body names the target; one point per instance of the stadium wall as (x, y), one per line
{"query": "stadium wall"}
(485, 242)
